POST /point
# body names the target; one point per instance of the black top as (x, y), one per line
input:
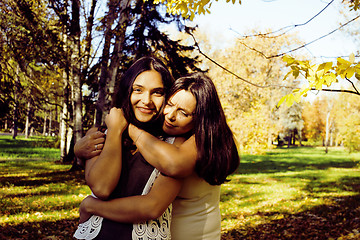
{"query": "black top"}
(134, 176)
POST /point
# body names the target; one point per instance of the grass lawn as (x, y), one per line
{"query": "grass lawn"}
(296, 193)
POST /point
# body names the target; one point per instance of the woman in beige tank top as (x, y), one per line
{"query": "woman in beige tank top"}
(203, 160)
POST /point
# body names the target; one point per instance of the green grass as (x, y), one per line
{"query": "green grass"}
(36, 190)
(287, 181)
(33, 186)
(31, 148)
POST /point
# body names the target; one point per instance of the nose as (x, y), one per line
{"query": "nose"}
(146, 98)
(170, 113)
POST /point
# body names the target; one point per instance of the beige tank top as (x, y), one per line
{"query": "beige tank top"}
(196, 212)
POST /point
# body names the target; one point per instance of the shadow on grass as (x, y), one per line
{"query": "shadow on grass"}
(340, 219)
(294, 159)
(60, 230)
(40, 179)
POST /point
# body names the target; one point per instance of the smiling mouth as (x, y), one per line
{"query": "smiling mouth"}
(169, 125)
(145, 110)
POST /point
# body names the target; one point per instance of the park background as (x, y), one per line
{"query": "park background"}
(299, 171)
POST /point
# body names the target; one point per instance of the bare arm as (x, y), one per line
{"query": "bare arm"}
(102, 172)
(135, 208)
(172, 159)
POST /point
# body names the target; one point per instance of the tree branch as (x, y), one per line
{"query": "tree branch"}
(266, 86)
(337, 90)
(267, 35)
(229, 71)
(353, 85)
(302, 46)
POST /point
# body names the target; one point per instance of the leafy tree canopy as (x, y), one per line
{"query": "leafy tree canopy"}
(188, 8)
(318, 76)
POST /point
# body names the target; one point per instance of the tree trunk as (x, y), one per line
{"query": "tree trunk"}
(109, 73)
(88, 38)
(27, 121)
(76, 69)
(64, 117)
(63, 133)
(45, 121)
(289, 140)
(69, 136)
(50, 123)
(327, 130)
(16, 103)
(100, 105)
(117, 51)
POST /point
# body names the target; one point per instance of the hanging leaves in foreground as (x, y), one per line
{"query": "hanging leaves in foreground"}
(319, 75)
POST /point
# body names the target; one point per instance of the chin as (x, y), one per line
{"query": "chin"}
(144, 119)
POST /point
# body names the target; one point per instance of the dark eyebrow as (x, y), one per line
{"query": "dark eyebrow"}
(159, 88)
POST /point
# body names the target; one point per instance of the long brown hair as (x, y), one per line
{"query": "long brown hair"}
(218, 156)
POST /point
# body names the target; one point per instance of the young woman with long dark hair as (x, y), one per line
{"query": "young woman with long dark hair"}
(205, 160)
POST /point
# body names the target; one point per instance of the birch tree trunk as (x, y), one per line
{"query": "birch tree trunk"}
(45, 121)
(64, 119)
(27, 121)
(64, 116)
(16, 103)
(50, 123)
(327, 130)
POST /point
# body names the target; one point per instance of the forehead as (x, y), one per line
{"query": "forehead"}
(149, 79)
(184, 99)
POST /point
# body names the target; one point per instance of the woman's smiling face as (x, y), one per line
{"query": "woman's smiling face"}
(147, 95)
(179, 112)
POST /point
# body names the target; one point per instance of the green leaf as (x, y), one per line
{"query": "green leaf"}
(350, 72)
(290, 100)
(287, 75)
(281, 101)
(319, 84)
(357, 75)
(328, 66)
(297, 96)
(342, 63)
(329, 79)
(289, 60)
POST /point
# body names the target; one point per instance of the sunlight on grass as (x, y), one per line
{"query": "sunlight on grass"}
(31, 148)
(47, 202)
(264, 188)
(286, 181)
(41, 216)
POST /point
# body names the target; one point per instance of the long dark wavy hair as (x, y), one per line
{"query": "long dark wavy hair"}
(125, 88)
(218, 156)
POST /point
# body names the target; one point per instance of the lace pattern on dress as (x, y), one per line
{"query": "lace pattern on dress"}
(157, 229)
(89, 229)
